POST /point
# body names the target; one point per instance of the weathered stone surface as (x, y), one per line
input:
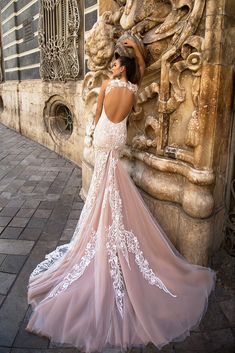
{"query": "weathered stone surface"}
(52, 350)
(25, 339)
(9, 211)
(6, 280)
(214, 318)
(228, 308)
(195, 340)
(2, 297)
(4, 221)
(31, 233)
(15, 247)
(33, 204)
(75, 214)
(18, 222)
(11, 232)
(220, 340)
(15, 306)
(12, 263)
(2, 257)
(4, 350)
(37, 223)
(41, 213)
(26, 212)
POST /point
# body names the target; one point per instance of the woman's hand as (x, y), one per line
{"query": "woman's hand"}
(129, 43)
(140, 60)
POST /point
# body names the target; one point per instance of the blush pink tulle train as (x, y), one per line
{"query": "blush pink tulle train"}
(120, 281)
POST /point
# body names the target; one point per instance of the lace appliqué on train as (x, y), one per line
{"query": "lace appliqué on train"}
(78, 269)
(120, 240)
(97, 176)
(52, 258)
(125, 241)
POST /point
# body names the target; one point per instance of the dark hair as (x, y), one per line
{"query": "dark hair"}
(131, 67)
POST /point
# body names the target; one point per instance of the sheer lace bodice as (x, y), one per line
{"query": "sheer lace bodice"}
(118, 83)
(109, 135)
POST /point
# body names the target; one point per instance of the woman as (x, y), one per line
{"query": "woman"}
(119, 282)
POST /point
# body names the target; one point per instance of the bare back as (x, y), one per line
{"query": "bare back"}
(118, 100)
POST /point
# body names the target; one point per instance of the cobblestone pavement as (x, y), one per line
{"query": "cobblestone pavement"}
(39, 209)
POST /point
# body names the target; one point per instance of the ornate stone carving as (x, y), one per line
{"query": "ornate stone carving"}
(59, 22)
(166, 28)
(168, 101)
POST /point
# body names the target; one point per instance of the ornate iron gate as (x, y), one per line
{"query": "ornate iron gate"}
(58, 33)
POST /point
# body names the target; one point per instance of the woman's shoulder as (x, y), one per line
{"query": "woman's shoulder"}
(116, 82)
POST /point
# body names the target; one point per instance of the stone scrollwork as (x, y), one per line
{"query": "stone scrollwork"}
(150, 137)
(59, 22)
(166, 33)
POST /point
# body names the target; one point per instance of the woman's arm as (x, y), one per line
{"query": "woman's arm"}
(140, 60)
(100, 101)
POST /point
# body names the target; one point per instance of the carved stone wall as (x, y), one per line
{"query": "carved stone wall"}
(48, 113)
(177, 149)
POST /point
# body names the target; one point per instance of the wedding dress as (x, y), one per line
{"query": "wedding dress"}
(119, 282)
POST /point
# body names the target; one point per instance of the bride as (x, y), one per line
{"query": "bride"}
(119, 282)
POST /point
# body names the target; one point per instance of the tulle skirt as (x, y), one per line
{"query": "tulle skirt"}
(120, 282)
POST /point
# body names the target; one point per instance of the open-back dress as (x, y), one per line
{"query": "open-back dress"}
(119, 282)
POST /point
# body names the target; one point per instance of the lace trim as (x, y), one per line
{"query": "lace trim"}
(119, 83)
(125, 241)
(53, 257)
(97, 176)
(118, 239)
(78, 269)
(50, 259)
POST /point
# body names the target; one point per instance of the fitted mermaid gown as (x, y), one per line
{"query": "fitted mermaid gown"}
(119, 282)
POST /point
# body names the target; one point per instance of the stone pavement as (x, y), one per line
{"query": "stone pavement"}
(39, 209)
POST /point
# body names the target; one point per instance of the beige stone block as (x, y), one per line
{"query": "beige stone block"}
(229, 8)
(24, 112)
(167, 215)
(214, 39)
(195, 239)
(15, 247)
(229, 43)
(105, 5)
(215, 7)
(192, 237)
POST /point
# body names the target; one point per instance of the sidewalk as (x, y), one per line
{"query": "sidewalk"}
(39, 209)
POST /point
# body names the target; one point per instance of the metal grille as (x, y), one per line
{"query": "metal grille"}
(59, 23)
(63, 120)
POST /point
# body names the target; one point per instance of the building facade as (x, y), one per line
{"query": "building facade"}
(180, 150)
